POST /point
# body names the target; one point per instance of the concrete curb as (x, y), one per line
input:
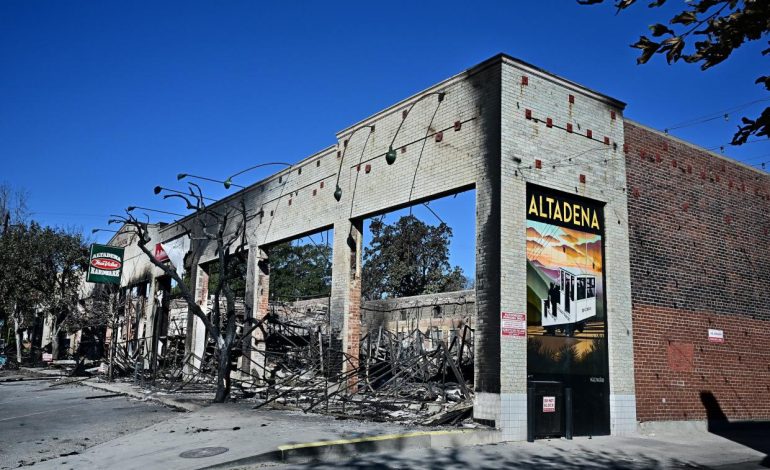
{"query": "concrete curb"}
(42, 372)
(123, 389)
(327, 450)
(150, 396)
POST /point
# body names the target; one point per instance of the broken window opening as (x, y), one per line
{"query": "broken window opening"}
(427, 248)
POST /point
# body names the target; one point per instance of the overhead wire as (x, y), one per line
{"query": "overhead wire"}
(724, 114)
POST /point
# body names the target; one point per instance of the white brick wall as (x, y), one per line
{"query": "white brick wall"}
(604, 168)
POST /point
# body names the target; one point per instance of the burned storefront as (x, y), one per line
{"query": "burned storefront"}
(546, 327)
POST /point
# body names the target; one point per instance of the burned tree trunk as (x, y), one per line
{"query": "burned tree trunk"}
(223, 376)
(225, 228)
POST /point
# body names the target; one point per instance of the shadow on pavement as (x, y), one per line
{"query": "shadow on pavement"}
(487, 457)
(753, 434)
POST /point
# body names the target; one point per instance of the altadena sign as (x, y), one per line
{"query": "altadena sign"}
(105, 264)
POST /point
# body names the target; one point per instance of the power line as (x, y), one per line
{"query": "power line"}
(722, 147)
(724, 114)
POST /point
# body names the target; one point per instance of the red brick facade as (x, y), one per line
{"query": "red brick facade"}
(700, 259)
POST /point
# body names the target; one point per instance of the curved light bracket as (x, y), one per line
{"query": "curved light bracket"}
(229, 181)
(181, 176)
(390, 157)
(132, 208)
(338, 190)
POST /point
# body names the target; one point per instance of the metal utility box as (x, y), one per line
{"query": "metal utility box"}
(546, 409)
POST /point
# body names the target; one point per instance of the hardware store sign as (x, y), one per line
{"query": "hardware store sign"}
(105, 264)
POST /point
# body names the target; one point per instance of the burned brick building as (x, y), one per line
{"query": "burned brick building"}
(611, 260)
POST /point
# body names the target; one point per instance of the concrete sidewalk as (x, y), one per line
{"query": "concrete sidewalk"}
(235, 434)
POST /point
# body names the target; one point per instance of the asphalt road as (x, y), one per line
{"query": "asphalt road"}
(38, 422)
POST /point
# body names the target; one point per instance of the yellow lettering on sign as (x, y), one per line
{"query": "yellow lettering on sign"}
(557, 210)
(576, 212)
(532, 206)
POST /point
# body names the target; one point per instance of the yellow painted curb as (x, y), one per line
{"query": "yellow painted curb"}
(384, 437)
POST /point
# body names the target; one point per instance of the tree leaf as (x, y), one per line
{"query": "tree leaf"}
(660, 29)
(648, 49)
(685, 18)
(674, 47)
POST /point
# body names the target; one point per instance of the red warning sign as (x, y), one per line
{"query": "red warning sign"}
(513, 324)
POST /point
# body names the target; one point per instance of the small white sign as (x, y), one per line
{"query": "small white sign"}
(549, 404)
(47, 357)
(716, 336)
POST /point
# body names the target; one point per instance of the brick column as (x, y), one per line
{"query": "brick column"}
(352, 325)
(260, 287)
(345, 315)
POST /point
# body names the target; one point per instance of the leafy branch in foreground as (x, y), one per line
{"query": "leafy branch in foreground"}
(717, 28)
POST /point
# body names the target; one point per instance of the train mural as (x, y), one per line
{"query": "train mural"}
(566, 317)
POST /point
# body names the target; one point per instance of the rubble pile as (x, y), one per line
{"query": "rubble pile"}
(410, 376)
(398, 377)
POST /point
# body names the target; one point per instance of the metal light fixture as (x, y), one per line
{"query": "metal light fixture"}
(338, 190)
(390, 157)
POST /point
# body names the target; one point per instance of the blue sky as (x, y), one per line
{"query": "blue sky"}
(101, 101)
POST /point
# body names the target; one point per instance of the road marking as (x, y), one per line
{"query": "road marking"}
(42, 412)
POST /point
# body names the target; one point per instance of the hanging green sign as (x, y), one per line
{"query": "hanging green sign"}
(105, 264)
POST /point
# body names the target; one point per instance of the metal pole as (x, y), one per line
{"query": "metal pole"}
(114, 336)
(568, 412)
(530, 414)
(157, 321)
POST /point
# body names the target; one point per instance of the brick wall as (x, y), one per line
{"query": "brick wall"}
(699, 259)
